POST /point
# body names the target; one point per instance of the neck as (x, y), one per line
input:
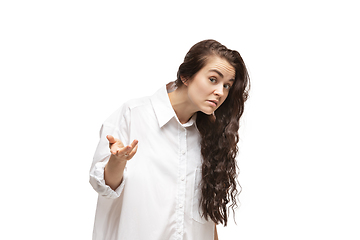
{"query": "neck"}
(181, 104)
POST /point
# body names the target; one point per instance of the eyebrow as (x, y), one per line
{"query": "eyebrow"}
(220, 74)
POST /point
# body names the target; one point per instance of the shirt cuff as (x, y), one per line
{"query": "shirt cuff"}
(98, 182)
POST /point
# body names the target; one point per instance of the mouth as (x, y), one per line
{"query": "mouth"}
(214, 103)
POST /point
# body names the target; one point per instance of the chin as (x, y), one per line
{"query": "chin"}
(208, 112)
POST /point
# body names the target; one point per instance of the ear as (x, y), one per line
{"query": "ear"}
(184, 80)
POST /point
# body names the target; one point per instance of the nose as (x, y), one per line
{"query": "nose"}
(219, 91)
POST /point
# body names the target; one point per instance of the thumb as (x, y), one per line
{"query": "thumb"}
(111, 139)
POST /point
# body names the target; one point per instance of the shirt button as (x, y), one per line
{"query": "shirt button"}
(183, 178)
(183, 152)
(180, 205)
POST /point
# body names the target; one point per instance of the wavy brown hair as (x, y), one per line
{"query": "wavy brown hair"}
(219, 136)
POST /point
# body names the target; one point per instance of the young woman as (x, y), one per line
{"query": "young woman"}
(182, 142)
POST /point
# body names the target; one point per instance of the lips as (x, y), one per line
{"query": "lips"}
(213, 102)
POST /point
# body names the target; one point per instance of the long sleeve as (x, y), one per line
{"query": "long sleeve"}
(116, 125)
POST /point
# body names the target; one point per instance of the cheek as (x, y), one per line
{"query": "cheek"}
(200, 84)
(198, 88)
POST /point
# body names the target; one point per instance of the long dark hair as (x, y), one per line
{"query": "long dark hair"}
(219, 137)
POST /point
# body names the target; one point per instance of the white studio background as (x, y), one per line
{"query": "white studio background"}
(67, 65)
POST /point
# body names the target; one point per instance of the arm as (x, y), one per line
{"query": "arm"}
(120, 154)
(215, 234)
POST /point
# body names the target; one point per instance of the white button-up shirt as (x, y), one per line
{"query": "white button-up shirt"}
(160, 192)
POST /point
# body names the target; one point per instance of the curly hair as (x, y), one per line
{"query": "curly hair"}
(219, 136)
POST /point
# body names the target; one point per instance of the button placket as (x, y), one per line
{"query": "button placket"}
(181, 182)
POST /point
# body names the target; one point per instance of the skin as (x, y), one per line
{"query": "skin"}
(120, 154)
(204, 92)
(215, 234)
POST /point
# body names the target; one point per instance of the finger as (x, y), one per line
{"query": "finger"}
(114, 142)
(114, 149)
(130, 148)
(117, 151)
(120, 150)
(133, 144)
(111, 139)
(132, 153)
(123, 151)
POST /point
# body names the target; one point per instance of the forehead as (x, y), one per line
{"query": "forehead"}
(220, 64)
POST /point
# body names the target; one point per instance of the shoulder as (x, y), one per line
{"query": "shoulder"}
(139, 107)
(123, 112)
(137, 103)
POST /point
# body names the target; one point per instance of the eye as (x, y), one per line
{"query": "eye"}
(213, 80)
(227, 86)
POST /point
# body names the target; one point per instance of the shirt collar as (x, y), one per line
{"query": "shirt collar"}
(163, 108)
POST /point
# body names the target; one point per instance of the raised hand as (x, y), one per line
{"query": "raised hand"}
(120, 154)
(119, 151)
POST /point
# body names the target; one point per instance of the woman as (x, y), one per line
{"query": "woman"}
(182, 142)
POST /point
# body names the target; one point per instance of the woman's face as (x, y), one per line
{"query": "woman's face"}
(208, 89)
